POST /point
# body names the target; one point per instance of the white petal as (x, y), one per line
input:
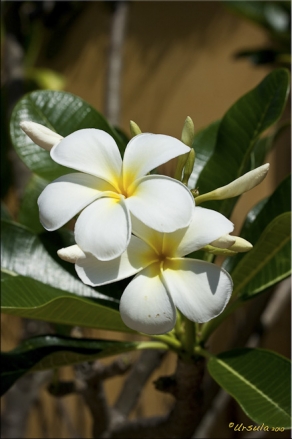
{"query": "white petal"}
(104, 228)
(200, 290)
(145, 304)
(62, 199)
(206, 226)
(91, 151)
(41, 135)
(147, 151)
(161, 203)
(95, 272)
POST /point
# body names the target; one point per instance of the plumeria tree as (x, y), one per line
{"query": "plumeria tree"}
(146, 249)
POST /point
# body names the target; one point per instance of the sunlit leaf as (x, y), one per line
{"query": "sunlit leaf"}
(26, 297)
(268, 262)
(259, 380)
(61, 112)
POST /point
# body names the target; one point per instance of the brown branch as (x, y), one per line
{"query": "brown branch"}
(185, 415)
(115, 61)
(148, 361)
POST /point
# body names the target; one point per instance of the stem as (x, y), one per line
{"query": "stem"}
(210, 326)
(188, 338)
(152, 345)
(170, 341)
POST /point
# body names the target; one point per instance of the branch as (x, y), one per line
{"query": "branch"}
(148, 361)
(117, 37)
(185, 415)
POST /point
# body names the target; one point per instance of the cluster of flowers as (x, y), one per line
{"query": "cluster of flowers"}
(136, 223)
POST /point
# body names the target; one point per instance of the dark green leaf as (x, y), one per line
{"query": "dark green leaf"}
(50, 351)
(203, 144)
(268, 262)
(259, 380)
(238, 132)
(29, 212)
(61, 112)
(23, 253)
(260, 216)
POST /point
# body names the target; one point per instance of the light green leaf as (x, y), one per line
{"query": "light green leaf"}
(26, 297)
(259, 380)
(263, 266)
(61, 112)
(238, 133)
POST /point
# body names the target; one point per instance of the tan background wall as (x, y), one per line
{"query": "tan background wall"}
(178, 61)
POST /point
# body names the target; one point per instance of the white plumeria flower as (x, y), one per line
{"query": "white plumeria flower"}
(108, 189)
(164, 278)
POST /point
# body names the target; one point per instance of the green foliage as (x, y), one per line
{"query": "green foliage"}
(259, 380)
(26, 297)
(61, 112)
(29, 212)
(238, 132)
(51, 352)
(37, 284)
(265, 266)
(254, 230)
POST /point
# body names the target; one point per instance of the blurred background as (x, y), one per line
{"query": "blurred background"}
(155, 63)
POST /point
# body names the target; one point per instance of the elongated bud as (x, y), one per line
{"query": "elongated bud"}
(134, 129)
(187, 137)
(237, 187)
(233, 243)
(188, 132)
(71, 254)
(225, 241)
(189, 166)
(241, 245)
(219, 251)
(41, 135)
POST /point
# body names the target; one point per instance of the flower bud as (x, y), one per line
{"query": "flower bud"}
(225, 241)
(41, 135)
(134, 128)
(188, 132)
(71, 254)
(189, 166)
(241, 245)
(233, 243)
(237, 187)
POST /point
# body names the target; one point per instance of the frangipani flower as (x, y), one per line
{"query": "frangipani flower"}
(107, 189)
(164, 278)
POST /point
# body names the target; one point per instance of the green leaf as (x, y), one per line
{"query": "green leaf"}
(29, 298)
(260, 216)
(38, 287)
(51, 352)
(238, 133)
(259, 380)
(23, 253)
(264, 265)
(29, 213)
(203, 144)
(61, 112)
